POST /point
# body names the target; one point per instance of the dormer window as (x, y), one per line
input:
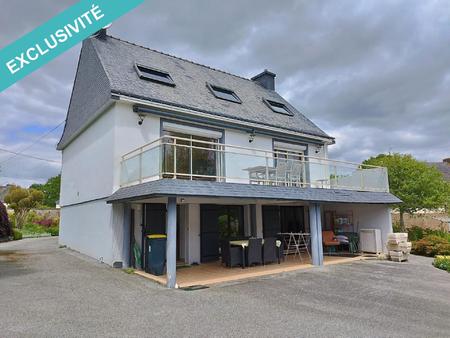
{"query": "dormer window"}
(224, 94)
(278, 107)
(154, 75)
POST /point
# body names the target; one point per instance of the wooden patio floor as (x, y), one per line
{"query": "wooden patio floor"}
(214, 273)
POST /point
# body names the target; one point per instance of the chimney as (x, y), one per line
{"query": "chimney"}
(265, 79)
(101, 34)
(446, 160)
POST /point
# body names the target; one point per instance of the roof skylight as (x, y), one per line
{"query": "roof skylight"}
(154, 75)
(278, 107)
(224, 94)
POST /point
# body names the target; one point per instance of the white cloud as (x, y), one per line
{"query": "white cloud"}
(374, 74)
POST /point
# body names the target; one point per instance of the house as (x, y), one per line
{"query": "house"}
(157, 144)
(443, 167)
(4, 191)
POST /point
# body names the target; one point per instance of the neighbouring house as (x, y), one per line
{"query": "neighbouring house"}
(443, 167)
(4, 191)
(155, 144)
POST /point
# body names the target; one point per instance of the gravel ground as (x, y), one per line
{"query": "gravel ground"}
(46, 291)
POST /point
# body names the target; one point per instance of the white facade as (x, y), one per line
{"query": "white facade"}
(91, 173)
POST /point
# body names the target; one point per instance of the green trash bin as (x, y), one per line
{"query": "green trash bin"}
(156, 251)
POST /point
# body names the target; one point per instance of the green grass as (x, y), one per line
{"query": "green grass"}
(31, 229)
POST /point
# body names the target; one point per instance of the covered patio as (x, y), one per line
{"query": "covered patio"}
(215, 273)
(180, 209)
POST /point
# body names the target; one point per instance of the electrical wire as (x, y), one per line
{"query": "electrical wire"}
(25, 155)
(18, 153)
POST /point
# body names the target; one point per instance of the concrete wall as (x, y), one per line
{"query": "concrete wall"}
(367, 216)
(86, 163)
(193, 234)
(128, 135)
(86, 179)
(87, 228)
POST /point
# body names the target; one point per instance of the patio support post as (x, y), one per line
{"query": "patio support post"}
(171, 252)
(126, 247)
(315, 224)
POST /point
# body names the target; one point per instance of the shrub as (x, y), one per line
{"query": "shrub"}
(431, 245)
(5, 224)
(32, 217)
(30, 229)
(442, 262)
(396, 227)
(46, 223)
(416, 233)
(54, 231)
(16, 234)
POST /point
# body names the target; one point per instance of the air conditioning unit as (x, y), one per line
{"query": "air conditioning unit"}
(370, 240)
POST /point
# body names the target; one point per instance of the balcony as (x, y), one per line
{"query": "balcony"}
(194, 159)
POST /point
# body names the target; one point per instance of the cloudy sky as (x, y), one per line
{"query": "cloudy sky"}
(373, 74)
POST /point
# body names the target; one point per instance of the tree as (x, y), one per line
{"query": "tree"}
(51, 190)
(418, 185)
(21, 201)
(5, 226)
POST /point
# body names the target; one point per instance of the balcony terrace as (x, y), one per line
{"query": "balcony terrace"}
(194, 159)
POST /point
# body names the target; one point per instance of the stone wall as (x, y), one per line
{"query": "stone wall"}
(433, 220)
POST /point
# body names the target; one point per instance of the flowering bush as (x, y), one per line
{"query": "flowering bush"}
(432, 245)
(442, 262)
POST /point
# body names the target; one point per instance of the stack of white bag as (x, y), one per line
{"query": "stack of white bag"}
(398, 246)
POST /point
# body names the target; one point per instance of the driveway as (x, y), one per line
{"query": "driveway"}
(46, 291)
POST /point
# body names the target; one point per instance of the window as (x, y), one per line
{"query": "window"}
(192, 157)
(224, 94)
(278, 107)
(289, 163)
(154, 75)
(231, 221)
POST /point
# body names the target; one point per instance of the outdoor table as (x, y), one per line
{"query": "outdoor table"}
(260, 173)
(244, 244)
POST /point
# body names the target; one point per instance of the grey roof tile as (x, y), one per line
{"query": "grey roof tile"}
(91, 90)
(443, 167)
(186, 188)
(113, 59)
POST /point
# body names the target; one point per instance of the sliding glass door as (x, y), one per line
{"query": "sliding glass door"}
(191, 157)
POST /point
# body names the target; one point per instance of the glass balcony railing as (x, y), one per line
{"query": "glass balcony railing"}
(181, 158)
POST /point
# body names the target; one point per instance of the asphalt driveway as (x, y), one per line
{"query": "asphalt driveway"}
(46, 291)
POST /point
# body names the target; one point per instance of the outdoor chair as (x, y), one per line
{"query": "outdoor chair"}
(329, 241)
(281, 172)
(270, 251)
(296, 174)
(231, 255)
(254, 251)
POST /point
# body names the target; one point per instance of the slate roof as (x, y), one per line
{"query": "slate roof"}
(106, 66)
(443, 167)
(186, 188)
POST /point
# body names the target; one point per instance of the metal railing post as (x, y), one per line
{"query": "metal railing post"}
(361, 178)
(174, 158)
(140, 166)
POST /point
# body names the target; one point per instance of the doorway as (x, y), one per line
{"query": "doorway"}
(218, 222)
(154, 222)
(278, 219)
